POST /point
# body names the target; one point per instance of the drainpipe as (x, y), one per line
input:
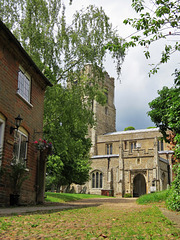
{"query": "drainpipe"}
(121, 168)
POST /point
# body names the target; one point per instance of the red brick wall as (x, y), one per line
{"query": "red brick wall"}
(11, 104)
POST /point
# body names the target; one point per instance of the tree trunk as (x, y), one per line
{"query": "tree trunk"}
(58, 188)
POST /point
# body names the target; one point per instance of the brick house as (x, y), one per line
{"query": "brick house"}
(22, 88)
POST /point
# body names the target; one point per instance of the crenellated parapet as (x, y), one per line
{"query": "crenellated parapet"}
(138, 153)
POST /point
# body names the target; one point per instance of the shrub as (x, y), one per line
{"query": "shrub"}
(127, 195)
(173, 200)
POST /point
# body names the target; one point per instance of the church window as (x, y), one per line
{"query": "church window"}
(132, 146)
(160, 145)
(109, 148)
(97, 179)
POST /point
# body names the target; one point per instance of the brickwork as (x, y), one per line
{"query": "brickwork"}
(11, 104)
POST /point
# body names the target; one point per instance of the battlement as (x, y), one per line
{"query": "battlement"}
(138, 153)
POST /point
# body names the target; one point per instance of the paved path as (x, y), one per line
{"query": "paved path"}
(124, 203)
(173, 216)
(61, 206)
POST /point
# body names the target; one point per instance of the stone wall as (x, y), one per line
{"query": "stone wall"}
(125, 166)
(105, 115)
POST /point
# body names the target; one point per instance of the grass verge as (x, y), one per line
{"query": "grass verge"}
(153, 197)
(68, 197)
(105, 221)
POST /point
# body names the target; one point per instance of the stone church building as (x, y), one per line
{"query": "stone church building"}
(128, 162)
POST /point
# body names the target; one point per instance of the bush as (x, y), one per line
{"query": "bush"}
(173, 200)
(127, 195)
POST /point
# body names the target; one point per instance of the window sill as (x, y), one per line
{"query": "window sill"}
(26, 169)
(28, 103)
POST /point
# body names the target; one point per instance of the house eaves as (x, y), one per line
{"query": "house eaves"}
(12, 38)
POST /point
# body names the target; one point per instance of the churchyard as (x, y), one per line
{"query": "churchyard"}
(102, 218)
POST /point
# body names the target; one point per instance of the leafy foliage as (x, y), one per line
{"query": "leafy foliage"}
(161, 21)
(127, 195)
(17, 176)
(158, 20)
(61, 51)
(165, 113)
(129, 128)
(41, 27)
(173, 200)
(64, 127)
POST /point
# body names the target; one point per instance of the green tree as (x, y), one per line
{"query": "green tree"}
(165, 113)
(165, 110)
(66, 126)
(173, 200)
(61, 51)
(129, 128)
(158, 19)
(41, 27)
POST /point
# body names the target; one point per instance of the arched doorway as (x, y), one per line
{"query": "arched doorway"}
(139, 185)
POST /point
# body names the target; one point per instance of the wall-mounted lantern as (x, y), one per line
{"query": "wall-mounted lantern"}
(18, 121)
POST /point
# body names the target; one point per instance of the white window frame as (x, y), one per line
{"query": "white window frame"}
(18, 135)
(2, 129)
(23, 79)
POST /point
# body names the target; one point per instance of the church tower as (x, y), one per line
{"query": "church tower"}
(105, 115)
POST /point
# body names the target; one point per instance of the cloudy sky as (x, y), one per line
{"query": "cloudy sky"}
(136, 89)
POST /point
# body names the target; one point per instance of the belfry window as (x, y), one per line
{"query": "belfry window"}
(160, 145)
(97, 179)
(109, 149)
(132, 146)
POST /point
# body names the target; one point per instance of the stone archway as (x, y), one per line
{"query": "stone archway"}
(139, 185)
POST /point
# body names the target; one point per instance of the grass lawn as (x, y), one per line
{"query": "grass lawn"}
(110, 221)
(68, 197)
(153, 197)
